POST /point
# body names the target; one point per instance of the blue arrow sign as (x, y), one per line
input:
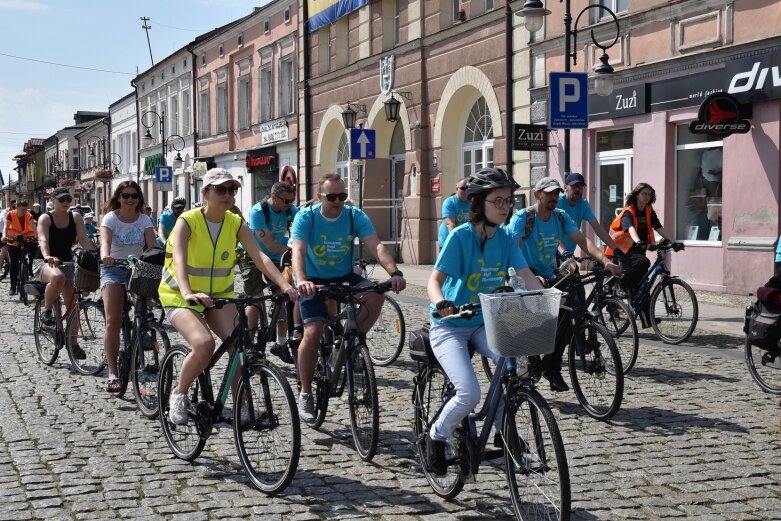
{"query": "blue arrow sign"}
(362, 143)
(568, 99)
(164, 174)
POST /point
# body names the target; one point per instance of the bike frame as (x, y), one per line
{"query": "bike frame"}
(343, 361)
(657, 269)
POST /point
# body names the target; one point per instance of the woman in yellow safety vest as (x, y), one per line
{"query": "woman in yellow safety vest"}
(200, 257)
(633, 231)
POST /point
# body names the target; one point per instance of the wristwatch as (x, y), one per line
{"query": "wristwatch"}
(397, 273)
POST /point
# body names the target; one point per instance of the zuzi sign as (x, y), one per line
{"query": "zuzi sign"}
(530, 137)
(720, 115)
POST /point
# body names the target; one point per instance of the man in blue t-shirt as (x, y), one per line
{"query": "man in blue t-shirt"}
(579, 210)
(539, 247)
(168, 220)
(270, 221)
(455, 212)
(323, 238)
(778, 258)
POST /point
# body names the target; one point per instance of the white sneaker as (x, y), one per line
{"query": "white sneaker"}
(177, 408)
(306, 408)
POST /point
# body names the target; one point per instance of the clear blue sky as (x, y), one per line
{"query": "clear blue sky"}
(37, 99)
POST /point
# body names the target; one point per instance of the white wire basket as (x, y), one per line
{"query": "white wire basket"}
(521, 324)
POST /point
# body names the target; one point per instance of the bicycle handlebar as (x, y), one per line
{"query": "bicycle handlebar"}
(666, 245)
(341, 291)
(247, 301)
(466, 311)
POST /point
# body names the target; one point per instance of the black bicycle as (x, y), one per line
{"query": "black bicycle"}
(529, 441)
(28, 248)
(344, 359)
(265, 421)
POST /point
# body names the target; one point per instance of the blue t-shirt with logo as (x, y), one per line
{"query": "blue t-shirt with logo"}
(539, 248)
(778, 250)
(278, 224)
(580, 212)
(457, 210)
(471, 271)
(168, 221)
(329, 242)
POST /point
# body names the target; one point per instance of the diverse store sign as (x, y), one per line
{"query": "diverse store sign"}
(262, 160)
(720, 115)
(530, 137)
(755, 79)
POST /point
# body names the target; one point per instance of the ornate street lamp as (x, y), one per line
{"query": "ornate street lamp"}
(164, 142)
(350, 113)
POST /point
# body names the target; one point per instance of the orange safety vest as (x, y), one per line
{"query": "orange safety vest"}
(18, 227)
(621, 237)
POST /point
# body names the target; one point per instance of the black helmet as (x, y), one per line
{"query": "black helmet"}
(487, 179)
(179, 201)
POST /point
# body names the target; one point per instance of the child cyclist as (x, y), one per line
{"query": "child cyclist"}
(474, 259)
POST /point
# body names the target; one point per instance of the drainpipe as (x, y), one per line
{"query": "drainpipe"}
(138, 133)
(508, 63)
(307, 104)
(193, 112)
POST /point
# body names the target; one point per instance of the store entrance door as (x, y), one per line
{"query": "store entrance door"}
(614, 182)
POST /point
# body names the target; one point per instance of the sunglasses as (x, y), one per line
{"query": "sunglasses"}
(64, 199)
(333, 197)
(130, 195)
(222, 190)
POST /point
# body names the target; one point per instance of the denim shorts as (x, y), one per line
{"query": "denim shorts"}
(113, 275)
(313, 308)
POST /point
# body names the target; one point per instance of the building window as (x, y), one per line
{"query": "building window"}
(244, 102)
(222, 51)
(287, 15)
(478, 148)
(538, 74)
(174, 112)
(343, 166)
(222, 107)
(186, 121)
(397, 23)
(699, 158)
(203, 59)
(341, 43)
(266, 26)
(240, 40)
(324, 49)
(489, 5)
(204, 122)
(456, 6)
(173, 69)
(617, 6)
(266, 93)
(184, 62)
(286, 86)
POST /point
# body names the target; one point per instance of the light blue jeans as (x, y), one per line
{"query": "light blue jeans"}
(449, 344)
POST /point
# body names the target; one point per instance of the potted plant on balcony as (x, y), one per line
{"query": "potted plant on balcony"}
(67, 181)
(104, 174)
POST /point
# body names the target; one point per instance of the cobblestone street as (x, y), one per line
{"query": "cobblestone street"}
(695, 438)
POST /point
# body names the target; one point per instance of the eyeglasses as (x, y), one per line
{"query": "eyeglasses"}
(501, 201)
(130, 195)
(333, 197)
(222, 190)
(284, 201)
(64, 199)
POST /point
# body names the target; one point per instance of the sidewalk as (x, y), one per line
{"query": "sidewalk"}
(717, 313)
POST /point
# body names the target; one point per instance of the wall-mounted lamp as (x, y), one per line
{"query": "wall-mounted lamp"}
(350, 113)
(435, 162)
(392, 105)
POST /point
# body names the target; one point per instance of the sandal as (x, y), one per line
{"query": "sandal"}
(113, 385)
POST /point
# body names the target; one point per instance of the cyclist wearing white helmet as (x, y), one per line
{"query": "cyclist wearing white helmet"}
(474, 259)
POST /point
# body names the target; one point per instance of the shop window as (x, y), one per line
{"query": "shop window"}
(478, 147)
(698, 205)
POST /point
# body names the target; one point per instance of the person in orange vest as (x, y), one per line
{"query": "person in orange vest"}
(633, 231)
(19, 222)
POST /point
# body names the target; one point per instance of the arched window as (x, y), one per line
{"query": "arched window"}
(478, 148)
(343, 164)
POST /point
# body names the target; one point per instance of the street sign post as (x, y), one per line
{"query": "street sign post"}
(164, 177)
(362, 143)
(568, 99)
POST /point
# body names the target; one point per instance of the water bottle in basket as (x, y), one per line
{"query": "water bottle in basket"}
(514, 280)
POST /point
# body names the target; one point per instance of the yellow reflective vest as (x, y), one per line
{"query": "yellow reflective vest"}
(209, 265)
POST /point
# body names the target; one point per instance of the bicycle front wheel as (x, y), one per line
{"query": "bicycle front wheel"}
(184, 440)
(266, 429)
(24, 275)
(618, 319)
(364, 404)
(534, 457)
(764, 366)
(48, 337)
(431, 392)
(86, 329)
(596, 371)
(145, 366)
(386, 337)
(674, 311)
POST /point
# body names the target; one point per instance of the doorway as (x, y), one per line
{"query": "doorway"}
(614, 182)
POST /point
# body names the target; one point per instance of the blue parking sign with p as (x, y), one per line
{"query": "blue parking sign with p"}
(164, 174)
(568, 99)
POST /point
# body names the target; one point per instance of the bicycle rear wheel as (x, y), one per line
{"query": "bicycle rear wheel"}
(87, 327)
(535, 460)
(184, 440)
(430, 393)
(764, 366)
(386, 337)
(618, 319)
(266, 428)
(595, 369)
(48, 338)
(673, 310)
(145, 366)
(364, 404)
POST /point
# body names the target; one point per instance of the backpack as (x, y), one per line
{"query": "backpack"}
(153, 255)
(420, 346)
(763, 325)
(531, 216)
(264, 206)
